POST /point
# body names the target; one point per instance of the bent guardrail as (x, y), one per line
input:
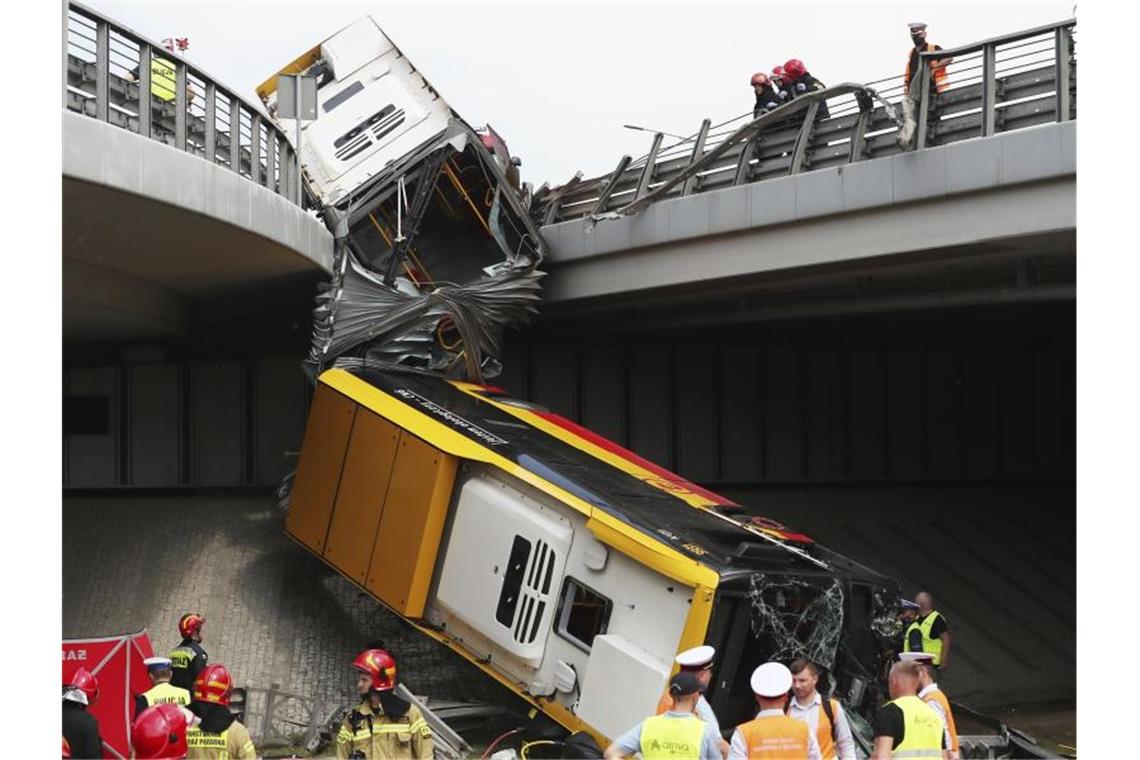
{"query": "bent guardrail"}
(118, 76)
(997, 85)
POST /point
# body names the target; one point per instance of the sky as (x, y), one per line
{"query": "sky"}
(558, 80)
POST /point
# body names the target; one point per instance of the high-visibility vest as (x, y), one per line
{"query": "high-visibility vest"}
(937, 696)
(234, 743)
(162, 78)
(165, 694)
(934, 646)
(940, 78)
(922, 729)
(664, 736)
(775, 737)
(824, 732)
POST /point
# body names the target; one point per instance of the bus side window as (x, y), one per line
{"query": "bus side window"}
(582, 614)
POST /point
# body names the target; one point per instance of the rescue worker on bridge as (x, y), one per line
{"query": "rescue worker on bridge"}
(799, 82)
(766, 98)
(189, 658)
(935, 697)
(677, 734)
(218, 735)
(824, 717)
(383, 725)
(80, 727)
(699, 662)
(939, 80)
(906, 726)
(929, 632)
(160, 732)
(160, 672)
(772, 735)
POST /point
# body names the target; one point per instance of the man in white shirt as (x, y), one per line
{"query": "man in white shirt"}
(827, 722)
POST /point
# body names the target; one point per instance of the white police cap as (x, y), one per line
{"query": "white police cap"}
(772, 679)
(157, 663)
(696, 657)
(916, 656)
(916, 26)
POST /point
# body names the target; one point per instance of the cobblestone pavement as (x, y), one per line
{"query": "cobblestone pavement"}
(275, 614)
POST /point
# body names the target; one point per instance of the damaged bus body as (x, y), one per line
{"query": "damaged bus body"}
(564, 566)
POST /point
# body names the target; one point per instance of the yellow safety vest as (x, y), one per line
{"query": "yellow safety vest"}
(165, 694)
(664, 736)
(934, 646)
(233, 743)
(162, 78)
(922, 729)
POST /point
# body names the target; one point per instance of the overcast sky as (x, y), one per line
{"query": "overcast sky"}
(558, 80)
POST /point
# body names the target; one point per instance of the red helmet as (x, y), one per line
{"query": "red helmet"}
(66, 748)
(778, 72)
(378, 664)
(795, 68)
(213, 685)
(759, 78)
(160, 732)
(190, 623)
(87, 683)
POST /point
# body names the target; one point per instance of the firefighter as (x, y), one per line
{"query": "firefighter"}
(80, 727)
(160, 671)
(906, 726)
(188, 659)
(160, 732)
(929, 632)
(218, 735)
(800, 82)
(935, 697)
(939, 81)
(383, 725)
(766, 98)
(677, 734)
(772, 734)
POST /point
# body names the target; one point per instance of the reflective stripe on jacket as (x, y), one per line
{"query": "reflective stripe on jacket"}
(234, 743)
(379, 736)
(940, 77)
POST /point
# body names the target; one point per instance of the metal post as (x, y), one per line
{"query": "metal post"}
(1062, 72)
(647, 172)
(556, 199)
(989, 89)
(146, 111)
(255, 148)
(742, 166)
(297, 101)
(923, 81)
(235, 134)
(615, 177)
(102, 73)
(859, 134)
(211, 121)
(803, 139)
(180, 105)
(271, 159)
(698, 151)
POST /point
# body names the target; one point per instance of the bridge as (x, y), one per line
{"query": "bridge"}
(873, 343)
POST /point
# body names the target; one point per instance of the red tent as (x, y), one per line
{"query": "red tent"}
(117, 661)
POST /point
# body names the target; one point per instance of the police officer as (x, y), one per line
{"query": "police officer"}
(906, 726)
(188, 659)
(699, 662)
(160, 672)
(383, 725)
(218, 735)
(800, 82)
(929, 632)
(772, 734)
(80, 727)
(159, 732)
(935, 697)
(677, 734)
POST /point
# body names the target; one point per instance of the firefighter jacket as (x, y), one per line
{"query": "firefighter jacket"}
(187, 661)
(378, 736)
(219, 736)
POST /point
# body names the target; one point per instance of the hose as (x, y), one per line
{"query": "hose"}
(528, 745)
(493, 744)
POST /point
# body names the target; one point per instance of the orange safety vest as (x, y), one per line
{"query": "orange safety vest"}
(940, 698)
(940, 78)
(775, 737)
(823, 731)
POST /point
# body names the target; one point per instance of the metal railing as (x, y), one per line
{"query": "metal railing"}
(997, 85)
(115, 75)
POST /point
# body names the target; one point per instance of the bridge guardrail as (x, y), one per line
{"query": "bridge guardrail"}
(997, 85)
(118, 76)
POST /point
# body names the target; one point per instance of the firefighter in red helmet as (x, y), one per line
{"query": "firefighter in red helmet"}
(188, 659)
(218, 735)
(80, 727)
(384, 725)
(799, 82)
(159, 733)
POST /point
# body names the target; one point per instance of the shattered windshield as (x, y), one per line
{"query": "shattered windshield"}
(797, 618)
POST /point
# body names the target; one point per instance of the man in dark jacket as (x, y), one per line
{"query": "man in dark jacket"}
(189, 658)
(800, 82)
(766, 98)
(80, 728)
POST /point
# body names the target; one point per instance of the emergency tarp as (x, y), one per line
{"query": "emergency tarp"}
(117, 661)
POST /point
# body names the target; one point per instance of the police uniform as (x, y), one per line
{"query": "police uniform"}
(925, 635)
(379, 736)
(772, 735)
(187, 661)
(693, 660)
(162, 693)
(937, 699)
